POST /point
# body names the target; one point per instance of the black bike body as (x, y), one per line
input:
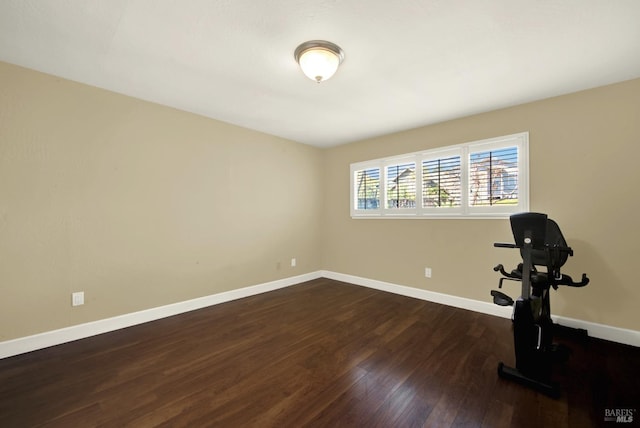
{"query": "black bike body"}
(541, 245)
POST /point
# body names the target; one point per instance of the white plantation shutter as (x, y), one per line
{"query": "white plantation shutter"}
(441, 182)
(481, 179)
(493, 177)
(367, 189)
(401, 186)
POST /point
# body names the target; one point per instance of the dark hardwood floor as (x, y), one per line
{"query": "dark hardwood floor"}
(322, 353)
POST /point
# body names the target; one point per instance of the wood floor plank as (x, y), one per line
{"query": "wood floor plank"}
(321, 353)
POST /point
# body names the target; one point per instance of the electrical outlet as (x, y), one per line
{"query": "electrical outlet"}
(293, 262)
(427, 272)
(77, 298)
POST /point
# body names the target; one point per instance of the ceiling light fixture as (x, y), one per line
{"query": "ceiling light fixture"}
(319, 59)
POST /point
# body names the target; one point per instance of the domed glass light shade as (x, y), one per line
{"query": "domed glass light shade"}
(319, 59)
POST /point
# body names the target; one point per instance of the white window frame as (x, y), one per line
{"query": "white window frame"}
(520, 140)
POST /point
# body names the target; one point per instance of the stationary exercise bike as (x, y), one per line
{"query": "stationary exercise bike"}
(541, 244)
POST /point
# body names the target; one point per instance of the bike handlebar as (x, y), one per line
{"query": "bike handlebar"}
(499, 245)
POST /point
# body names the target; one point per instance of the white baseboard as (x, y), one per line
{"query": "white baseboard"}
(601, 331)
(69, 334)
(81, 331)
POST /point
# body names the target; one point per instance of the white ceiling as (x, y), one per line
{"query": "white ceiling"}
(407, 63)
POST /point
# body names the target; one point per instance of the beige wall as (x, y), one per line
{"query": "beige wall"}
(584, 151)
(138, 205)
(141, 205)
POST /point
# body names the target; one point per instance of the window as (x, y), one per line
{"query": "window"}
(368, 189)
(401, 186)
(441, 182)
(482, 179)
(493, 177)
